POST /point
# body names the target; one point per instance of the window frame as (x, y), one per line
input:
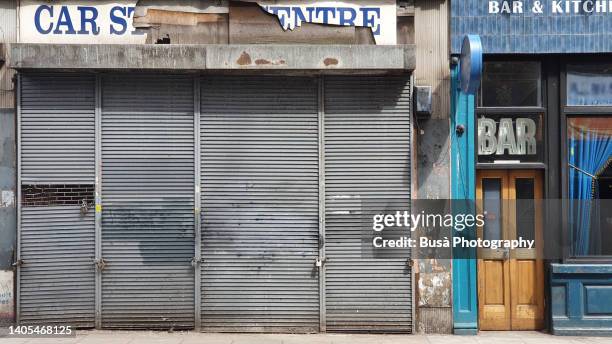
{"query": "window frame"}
(517, 110)
(565, 113)
(509, 59)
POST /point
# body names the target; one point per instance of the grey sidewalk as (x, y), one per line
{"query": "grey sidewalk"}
(137, 337)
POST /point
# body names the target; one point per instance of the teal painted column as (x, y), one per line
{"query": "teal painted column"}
(463, 192)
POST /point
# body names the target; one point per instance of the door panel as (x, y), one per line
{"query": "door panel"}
(526, 271)
(511, 284)
(493, 268)
(147, 188)
(56, 236)
(367, 161)
(260, 183)
(494, 292)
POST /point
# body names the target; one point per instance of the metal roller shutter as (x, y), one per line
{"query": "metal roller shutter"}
(56, 240)
(148, 202)
(260, 204)
(367, 159)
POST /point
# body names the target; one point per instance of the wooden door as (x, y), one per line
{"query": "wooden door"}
(492, 191)
(526, 265)
(510, 284)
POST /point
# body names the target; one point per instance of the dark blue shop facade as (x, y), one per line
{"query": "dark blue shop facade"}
(538, 129)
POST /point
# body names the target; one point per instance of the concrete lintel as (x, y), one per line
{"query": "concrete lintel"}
(106, 56)
(211, 57)
(311, 57)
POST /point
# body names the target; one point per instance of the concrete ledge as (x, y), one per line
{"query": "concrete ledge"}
(211, 57)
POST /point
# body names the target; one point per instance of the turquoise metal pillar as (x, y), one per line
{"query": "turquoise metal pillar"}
(463, 191)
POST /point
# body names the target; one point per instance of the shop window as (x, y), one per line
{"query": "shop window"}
(589, 85)
(511, 84)
(590, 185)
(510, 137)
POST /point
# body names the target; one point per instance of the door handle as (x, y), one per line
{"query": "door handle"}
(506, 253)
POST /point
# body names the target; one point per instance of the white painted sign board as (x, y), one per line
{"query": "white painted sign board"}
(78, 22)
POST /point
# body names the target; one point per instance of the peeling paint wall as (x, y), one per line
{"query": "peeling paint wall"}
(7, 187)
(245, 22)
(7, 297)
(433, 277)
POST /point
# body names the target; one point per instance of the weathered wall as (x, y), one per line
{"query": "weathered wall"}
(7, 187)
(8, 29)
(336, 58)
(8, 227)
(434, 287)
(7, 213)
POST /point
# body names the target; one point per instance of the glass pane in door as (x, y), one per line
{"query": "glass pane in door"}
(525, 208)
(492, 201)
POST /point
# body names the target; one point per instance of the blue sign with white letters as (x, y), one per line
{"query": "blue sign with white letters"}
(534, 26)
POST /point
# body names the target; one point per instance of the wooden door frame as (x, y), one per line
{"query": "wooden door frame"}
(510, 265)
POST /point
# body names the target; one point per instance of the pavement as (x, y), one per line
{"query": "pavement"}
(149, 337)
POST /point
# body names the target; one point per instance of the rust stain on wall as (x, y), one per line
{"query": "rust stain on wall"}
(330, 61)
(260, 62)
(244, 59)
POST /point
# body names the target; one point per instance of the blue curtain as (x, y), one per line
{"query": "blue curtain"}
(589, 153)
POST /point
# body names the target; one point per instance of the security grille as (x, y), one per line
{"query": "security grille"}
(147, 202)
(367, 165)
(264, 143)
(56, 279)
(260, 204)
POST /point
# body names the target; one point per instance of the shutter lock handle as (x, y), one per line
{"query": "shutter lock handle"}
(196, 261)
(100, 264)
(320, 262)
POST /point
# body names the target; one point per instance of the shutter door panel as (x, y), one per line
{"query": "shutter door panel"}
(367, 159)
(147, 188)
(260, 204)
(57, 129)
(56, 280)
(57, 277)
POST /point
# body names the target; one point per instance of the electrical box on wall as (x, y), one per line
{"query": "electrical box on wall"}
(423, 102)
